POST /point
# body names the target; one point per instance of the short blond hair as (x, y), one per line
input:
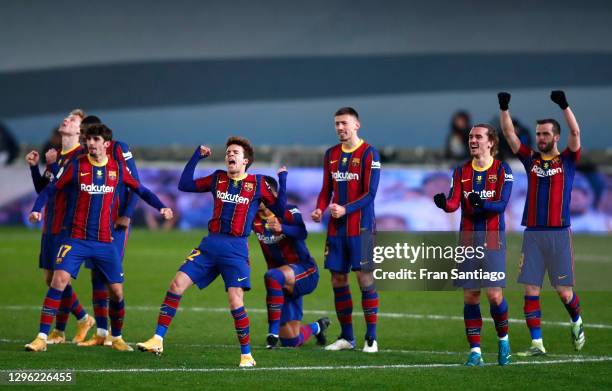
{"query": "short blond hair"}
(78, 112)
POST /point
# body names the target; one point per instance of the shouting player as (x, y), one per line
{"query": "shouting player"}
(547, 241)
(351, 170)
(236, 197)
(90, 183)
(55, 211)
(292, 273)
(482, 187)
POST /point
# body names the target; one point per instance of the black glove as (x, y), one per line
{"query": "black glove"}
(558, 97)
(475, 200)
(440, 200)
(503, 98)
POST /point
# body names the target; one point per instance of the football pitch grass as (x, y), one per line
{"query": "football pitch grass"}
(420, 334)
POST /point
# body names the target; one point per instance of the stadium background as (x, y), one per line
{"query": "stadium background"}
(166, 76)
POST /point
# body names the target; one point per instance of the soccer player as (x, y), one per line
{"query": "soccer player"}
(122, 214)
(236, 198)
(55, 210)
(482, 187)
(351, 170)
(547, 241)
(90, 182)
(292, 273)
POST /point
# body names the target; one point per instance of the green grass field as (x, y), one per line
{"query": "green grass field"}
(420, 334)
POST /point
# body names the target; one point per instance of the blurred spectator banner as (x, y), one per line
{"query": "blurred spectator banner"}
(403, 202)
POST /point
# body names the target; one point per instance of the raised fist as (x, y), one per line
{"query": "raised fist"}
(558, 97)
(503, 98)
(32, 158)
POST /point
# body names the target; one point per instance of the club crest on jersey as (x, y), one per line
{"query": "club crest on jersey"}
(492, 178)
(112, 175)
(355, 162)
(248, 186)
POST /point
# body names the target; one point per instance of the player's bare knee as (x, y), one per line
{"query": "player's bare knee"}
(235, 298)
(532, 290)
(176, 287)
(339, 279)
(565, 293)
(180, 283)
(495, 296)
(365, 280)
(115, 292)
(59, 280)
(471, 296)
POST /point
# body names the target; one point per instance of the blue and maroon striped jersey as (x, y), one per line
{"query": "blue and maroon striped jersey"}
(235, 201)
(549, 187)
(55, 209)
(91, 191)
(286, 247)
(350, 179)
(493, 184)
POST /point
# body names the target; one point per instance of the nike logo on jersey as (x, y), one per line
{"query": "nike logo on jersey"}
(85, 173)
(465, 180)
(222, 181)
(563, 276)
(240, 279)
(332, 161)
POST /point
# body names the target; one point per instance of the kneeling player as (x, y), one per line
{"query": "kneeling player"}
(482, 188)
(292, 273)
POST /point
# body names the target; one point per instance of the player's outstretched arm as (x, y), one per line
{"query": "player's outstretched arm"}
(573, 138)
(47, 192)
(187, 183)
(506, 122)
(147, 195)
(128, 159)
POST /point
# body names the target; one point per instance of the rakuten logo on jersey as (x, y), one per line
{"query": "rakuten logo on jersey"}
(345, 176)
(484, 194)
(97, 189)
(542, 173)
(270, 239)
(232, 198)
